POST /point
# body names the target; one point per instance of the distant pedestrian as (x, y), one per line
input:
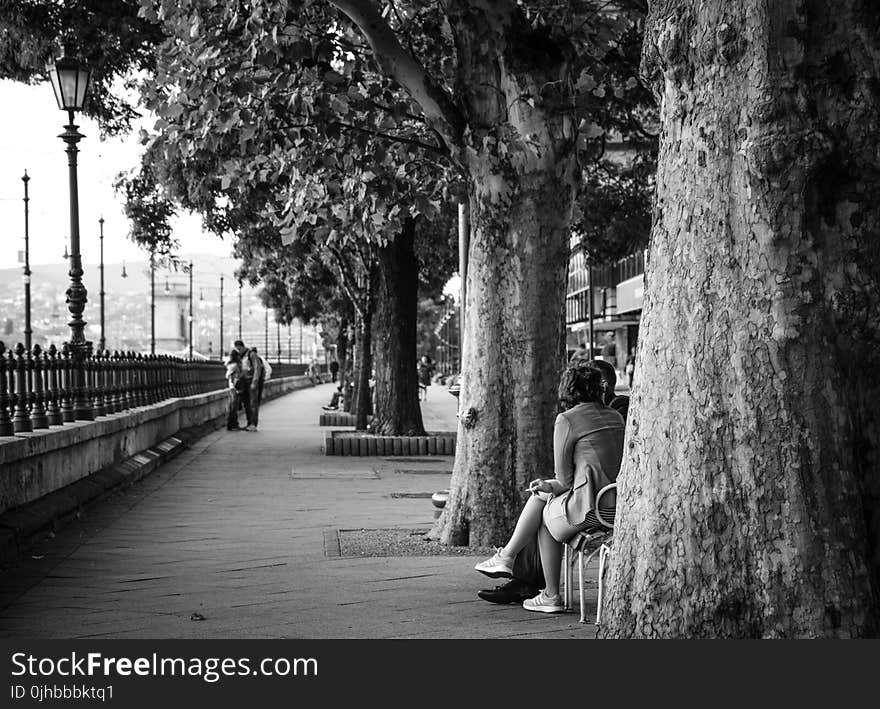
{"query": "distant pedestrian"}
(250, 365)
(426, 371)
(239, 391)
(262, 371)
(630, 367)
(334, 370)
(313, 373)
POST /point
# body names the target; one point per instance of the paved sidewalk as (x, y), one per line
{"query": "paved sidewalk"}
(233, 531)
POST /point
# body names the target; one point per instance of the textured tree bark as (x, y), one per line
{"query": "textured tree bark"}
(362, 406)
(750, 491)
(520, 161)
(509, 126)
(398, 412)
(342, 345)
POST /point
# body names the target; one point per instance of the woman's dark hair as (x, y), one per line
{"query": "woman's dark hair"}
(234, 355)
(581, 382)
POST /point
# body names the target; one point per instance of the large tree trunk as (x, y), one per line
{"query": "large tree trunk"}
(749, 496)
(509, 125)
(362, 405)
(397, 388)
(521, 170)
(342, 345)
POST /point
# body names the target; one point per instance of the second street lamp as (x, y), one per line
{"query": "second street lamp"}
(103, 341)
(26, 277)
(70, 81)
(190, 309)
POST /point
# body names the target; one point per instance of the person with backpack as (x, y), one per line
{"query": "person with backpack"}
(251, 370)
(239, 392)
(262, 372)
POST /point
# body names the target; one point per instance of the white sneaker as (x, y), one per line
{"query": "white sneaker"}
(544, 604)
(496, 567)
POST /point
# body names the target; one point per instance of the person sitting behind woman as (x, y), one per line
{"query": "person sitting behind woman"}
(587, 451)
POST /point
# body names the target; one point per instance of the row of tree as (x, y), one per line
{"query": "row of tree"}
(750, 492)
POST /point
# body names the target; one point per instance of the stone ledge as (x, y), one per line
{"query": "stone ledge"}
(356, 444)
(338, 418)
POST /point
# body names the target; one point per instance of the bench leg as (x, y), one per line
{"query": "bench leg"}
(566, 572)
(581, 582)
(603, 552)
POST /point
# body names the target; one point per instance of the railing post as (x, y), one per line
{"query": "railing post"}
(138, 370)
(155, 395)
(21, 421)
(132, 379)
(50, 360)
(67, 414)
(106, 382)
(121, 380)
(6, 428)
(39, 419)
(113, 379)
(96, 391)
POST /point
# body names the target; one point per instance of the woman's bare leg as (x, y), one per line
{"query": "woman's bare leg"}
(551, 558)
(530, 520)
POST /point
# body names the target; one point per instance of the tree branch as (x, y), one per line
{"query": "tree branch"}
(440, 150)
(401, 66)
(349, 288)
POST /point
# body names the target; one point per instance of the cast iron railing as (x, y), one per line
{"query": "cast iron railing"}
(36, 387)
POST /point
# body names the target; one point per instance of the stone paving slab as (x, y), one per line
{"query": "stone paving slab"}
(234, 529)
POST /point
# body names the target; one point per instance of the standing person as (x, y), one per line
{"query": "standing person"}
(236, 384)
(587, 452)
(527, 577)
(262, 371)
(426, 370)
(334, 370)
(248, 368)
(630, 367)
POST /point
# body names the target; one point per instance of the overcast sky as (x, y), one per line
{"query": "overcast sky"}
(30, 123)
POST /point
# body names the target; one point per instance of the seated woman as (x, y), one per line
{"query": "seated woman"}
(587, 450)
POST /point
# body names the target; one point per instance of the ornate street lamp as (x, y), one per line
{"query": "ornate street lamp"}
(239, 307)
(153, 300)
(190, 309)
(70, 81)
(103, 341)
(26, 276)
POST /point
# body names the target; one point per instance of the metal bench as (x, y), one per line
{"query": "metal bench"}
(583, 546)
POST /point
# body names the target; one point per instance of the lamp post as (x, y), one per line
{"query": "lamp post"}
(26, 276)
(103, 340)
(278, 336)
(190, 309)
(152, 301)
(266, 334)
(239, 308)
(70, 81)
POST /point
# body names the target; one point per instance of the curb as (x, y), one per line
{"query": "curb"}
(342, 418)
(369, 445)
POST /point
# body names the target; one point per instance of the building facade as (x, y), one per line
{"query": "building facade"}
(617, 292)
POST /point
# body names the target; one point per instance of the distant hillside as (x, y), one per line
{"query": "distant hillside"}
(206, 273)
